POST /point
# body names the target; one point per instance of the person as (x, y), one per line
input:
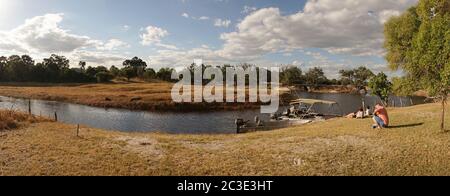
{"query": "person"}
(381, 117)
(367, 112)
(358, 114)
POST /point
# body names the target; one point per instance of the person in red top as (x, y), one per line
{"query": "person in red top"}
(381, 117)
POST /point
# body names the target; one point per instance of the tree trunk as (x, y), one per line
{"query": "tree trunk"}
(444, 99)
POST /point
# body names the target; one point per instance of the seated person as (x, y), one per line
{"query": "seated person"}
(381, 117)
(368, 111)
(360, 113)
(357, 114)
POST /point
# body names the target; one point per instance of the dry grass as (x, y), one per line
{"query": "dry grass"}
(134, 95)
(414, 146)
(11, 120)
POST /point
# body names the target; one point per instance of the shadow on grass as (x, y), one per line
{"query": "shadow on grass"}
(406, 126)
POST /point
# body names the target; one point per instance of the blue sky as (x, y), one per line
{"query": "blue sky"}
(326, 33)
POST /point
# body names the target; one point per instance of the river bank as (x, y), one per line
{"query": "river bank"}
(413, 146)
(155, 96)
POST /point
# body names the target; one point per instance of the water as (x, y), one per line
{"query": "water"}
(171, 122)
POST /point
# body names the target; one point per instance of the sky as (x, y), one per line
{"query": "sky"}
(331, 34)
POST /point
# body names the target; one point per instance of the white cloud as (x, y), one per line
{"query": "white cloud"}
(153, 35)
(350, 27)
(222, 23)
(43, 34)
(186, 15)
(336, 26)
(112, 44)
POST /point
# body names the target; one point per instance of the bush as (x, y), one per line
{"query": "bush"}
(104, 77)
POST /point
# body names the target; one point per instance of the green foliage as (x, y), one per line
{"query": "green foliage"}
(291, 76)
(381, 86)
(128, 72)
(104, 76)
(165, 74)
(357, 77)
(418, 41)
(315, 76)
(149, 74)
(137, 64)
(403, 86)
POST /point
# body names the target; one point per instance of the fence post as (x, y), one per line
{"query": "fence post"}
(78, 130)
(56, 117)
(29, 106)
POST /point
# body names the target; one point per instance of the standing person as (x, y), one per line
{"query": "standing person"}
(381, 117)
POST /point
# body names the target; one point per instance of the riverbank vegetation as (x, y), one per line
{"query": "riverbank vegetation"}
(134, 95)
(10, 119)
(412, 146)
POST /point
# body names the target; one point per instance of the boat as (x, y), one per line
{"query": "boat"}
(300, 112)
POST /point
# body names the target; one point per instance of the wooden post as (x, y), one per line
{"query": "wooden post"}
(29, 106)
(56, 117)
(78, 130)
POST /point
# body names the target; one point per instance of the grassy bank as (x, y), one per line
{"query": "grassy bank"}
(413, 146)
(134, 95)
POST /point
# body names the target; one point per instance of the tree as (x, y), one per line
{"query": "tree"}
(3, 62)
(104, 76)
(357, 77)
(347, 76)
(315, 76)
(402, 86)
(137, 64)
(82, 65)
(362, 75)
(418, 42)
(114, 71)
(291, 75)
(381, 87)
(55, 66)
(128, 72)
(149, 74)
(165, 74)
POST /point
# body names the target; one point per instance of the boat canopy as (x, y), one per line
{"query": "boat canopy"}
(312, 102)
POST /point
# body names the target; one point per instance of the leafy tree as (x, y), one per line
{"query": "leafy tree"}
(402, 86)
(149, 74)
(104, 76)
(114, 71)
(128, 72)
(418, 42)
(165, 74)
(381, 87)
(291, 75)
(347, 76)
(137, 64)
(315, 76)
(82, 65)
(54, 66)
(362, 75)
(357, 77)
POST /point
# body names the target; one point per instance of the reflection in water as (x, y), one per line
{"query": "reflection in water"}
(172, 122)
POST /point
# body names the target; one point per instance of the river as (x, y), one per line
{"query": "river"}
(173, 122)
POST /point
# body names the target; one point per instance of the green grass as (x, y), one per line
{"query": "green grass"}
(414, 146)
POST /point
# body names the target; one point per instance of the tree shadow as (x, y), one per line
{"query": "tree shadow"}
(406, 126)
